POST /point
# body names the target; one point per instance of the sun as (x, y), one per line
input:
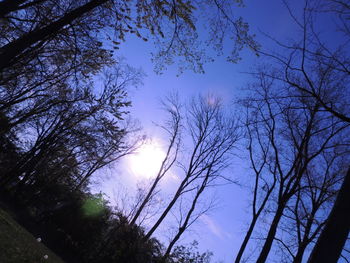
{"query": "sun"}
(145, 163)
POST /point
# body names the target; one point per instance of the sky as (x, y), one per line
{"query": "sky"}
(221, 231)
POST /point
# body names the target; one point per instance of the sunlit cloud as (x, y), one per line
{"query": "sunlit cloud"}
(214, 227)
(174, 177)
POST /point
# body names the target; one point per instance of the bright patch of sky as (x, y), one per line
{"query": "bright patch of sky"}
(145, 162)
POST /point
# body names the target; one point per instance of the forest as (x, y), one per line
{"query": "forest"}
(67, 119)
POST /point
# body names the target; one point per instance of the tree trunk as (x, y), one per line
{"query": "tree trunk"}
(300, 253)
(251, 228)
(271, 235)
(166, 211)
(7, 6)
(145, 201)
(172, 243)
(330, 244)
(9, 52)
(246, 239)
(187, 219)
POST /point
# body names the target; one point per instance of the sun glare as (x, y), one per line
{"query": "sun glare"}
(147, 160)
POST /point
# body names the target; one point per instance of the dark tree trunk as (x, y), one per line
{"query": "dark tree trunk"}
(299, 256)
(8, 6)
(271, 235)
(166, 211)
(246, 239)
(145, 201)
(184, 226)
(172, 243)
(333, 237)
(9, 52)
(306, 240)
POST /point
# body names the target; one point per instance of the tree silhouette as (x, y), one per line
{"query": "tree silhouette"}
(213, 137)
(321, 72)
(291, 134)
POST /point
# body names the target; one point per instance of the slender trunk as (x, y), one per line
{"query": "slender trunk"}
(306, 240)
(271, 235)
(330, 244)
(246, 239)
(187, 219)
(162, 171)
(89, 173)
(145, 201)
(166, 211)
(9, 52)
(172, 243)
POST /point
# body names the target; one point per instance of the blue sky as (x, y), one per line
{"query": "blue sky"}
(222, 230)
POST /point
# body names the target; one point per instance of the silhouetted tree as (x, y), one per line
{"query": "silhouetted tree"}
(36, 25)
(292, 134)
(186, 254)
(173, 128)
(213, 136)
(305, 216)
(320, 70)
(82, 128)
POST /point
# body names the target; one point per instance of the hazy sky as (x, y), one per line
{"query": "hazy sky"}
(222, 230)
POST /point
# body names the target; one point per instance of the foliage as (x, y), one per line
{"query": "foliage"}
(189, 254)
(52, 32)
(67, 134)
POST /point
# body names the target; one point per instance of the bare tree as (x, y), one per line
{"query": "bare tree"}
(321, 71)
(213, 136)
(307, 212)
(259, 154)
(297, 132)
(336, 231)
(173, 129)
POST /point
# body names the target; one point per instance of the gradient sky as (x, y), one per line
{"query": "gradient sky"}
(221, 231)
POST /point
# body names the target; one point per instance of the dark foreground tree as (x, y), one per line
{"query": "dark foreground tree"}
(320, 70)
(305, 216)
(79, 130)
(330, 244)
(288, 136)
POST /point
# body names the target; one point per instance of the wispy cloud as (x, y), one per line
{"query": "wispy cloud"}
(214, 227)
